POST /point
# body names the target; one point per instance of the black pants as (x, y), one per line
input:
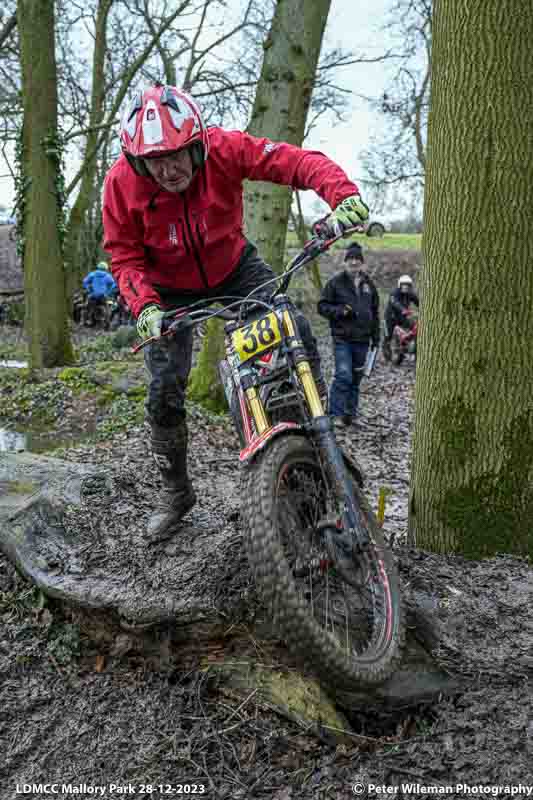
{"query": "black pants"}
(93, 304)
(169, 360)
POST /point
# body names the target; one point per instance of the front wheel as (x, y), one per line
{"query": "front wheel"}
(338, 607)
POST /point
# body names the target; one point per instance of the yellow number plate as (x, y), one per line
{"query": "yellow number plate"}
(262, 334)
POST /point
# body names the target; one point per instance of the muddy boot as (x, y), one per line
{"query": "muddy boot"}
(169, 446)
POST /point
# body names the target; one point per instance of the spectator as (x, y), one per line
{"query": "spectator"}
(350, 301)
(397, 311)
(99, 285)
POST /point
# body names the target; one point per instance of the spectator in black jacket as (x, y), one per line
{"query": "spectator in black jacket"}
(350, 301)
(397, 311)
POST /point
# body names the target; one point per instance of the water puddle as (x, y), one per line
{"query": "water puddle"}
(13, 363)
(12, 441)
(39, 441)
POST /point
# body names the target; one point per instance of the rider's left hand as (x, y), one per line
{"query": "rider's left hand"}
(350, 212)
(149, 322)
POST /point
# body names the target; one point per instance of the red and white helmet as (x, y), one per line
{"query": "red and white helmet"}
(159, 120)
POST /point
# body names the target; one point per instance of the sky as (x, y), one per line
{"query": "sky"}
(353, 25)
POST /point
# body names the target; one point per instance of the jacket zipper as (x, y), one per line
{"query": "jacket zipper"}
(194, 248)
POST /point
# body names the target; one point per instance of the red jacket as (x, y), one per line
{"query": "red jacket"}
(194, 239)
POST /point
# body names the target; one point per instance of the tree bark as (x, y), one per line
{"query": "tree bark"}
(282, 100)
(204, 385)
(44, 279)
(472, 488)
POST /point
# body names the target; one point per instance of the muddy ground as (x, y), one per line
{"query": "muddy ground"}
(76, 712)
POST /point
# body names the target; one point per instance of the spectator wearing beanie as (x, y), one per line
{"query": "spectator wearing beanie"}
(350, 302)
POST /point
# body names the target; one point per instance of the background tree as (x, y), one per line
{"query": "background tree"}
(472, 482)
(96, 114)
(44, 285)
(282, 100)
(395, 163)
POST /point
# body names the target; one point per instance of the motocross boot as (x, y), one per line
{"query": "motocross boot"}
(169, 447)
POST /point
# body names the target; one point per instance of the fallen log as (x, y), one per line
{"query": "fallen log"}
(193, 601)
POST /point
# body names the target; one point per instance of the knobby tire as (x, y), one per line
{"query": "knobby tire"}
(305, 637)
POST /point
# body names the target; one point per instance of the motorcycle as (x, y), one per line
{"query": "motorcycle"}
(403, 340)
(316, 550)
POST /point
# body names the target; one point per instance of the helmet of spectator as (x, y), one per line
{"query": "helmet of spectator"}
(405, 283)
(159, 121)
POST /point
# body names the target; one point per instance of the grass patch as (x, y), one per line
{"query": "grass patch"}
(109, 346)
(76, 378)
(124, 412)
(391, 241)
(24, 398)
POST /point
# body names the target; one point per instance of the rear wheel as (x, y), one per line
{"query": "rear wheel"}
(338, 609)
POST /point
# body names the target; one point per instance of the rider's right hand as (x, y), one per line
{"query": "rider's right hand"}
(149, 322)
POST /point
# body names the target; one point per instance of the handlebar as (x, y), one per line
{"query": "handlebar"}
(187, 317)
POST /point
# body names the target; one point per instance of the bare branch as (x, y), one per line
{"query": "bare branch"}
(126, 82)
(8, 28)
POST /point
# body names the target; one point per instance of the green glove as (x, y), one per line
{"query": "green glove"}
(351, 211)
(149, 322)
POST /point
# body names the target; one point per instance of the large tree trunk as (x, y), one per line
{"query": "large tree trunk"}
(44, 280)
(85, 197)
(280, 110)
(472, 488)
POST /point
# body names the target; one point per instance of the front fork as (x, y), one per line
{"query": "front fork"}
(322, 432)
(303, 370)
(354, 522)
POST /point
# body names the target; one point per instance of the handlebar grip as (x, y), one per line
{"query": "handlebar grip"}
(173, 324)
(320, 229)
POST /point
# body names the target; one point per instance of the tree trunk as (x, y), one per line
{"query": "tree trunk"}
(304, 235)
(76, 267)
(472, 488)
(282, 100)
(204, 386)
(44, 279)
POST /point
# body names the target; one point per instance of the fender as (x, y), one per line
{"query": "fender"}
(248, 453)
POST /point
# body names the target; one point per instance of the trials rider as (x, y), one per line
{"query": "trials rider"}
(173, 223)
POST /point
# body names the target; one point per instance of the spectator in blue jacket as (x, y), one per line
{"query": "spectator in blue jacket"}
(99, 285)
